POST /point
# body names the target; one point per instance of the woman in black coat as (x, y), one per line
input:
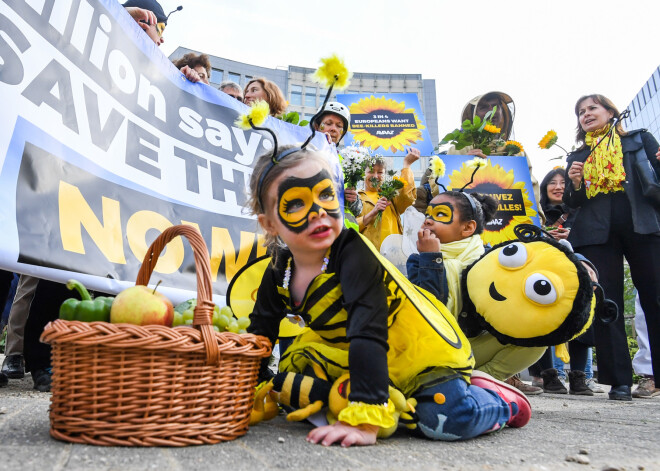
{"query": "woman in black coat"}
(615, 220)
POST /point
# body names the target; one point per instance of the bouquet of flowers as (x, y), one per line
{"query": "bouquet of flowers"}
(355, 161)
(388, 188)
(478, 133)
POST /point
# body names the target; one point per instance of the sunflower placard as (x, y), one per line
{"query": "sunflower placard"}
(389, 123)
(505, 178)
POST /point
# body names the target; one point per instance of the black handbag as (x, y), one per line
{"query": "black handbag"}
(647, 177)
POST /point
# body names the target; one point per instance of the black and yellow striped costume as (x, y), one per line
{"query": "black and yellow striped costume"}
(366, 318)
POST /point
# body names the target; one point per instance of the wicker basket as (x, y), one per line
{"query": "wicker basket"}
(123, 384)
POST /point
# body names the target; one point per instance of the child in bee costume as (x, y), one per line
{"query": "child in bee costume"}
(450, 246)
(362, 318)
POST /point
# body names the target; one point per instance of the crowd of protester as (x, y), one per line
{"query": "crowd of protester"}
(595, 204)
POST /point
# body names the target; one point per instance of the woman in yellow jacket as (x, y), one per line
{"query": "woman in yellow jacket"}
(372, 204)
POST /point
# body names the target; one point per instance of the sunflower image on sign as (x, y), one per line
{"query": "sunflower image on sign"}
(514, 204)
(385, 122)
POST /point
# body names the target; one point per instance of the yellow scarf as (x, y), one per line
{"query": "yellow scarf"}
(457, 256)
(603, 170)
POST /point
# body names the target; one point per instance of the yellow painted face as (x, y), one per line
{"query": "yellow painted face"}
(524, 290)
(300, 197)
(441, 212)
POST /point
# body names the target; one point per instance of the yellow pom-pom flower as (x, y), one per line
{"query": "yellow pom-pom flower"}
(437, 167)
(549, 140)
(258, 112)
(476, 162)
(333, 71)
(491, 128)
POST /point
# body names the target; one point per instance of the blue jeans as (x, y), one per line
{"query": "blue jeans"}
(559, 365)
(588, 370)
(466, 411)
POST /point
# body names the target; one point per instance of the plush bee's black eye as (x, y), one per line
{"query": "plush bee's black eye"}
(539, 288)
(513, 255)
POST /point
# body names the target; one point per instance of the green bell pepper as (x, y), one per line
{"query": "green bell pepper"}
(85, 309)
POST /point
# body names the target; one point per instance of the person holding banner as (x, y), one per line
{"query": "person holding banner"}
(196, 68)
(263, 89)
(150, 16)
(615, 219)
(381, 217)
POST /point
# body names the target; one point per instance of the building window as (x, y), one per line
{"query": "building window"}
(216, 75)
(234, 77)
(296, 95)
(310, 96)
(247, 79)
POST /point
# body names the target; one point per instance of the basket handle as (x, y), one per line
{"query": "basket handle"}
(204, 309)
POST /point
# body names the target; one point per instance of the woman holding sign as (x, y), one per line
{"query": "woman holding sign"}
(617, 216)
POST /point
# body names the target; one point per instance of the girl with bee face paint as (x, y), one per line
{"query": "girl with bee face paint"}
(448, 242)
(362, 316)
(301, 198)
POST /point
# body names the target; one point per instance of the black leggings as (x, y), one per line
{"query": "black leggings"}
(642, 251)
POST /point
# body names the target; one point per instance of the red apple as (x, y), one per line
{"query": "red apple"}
(141, 305)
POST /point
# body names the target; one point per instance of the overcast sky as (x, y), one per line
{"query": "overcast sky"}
(544, 54)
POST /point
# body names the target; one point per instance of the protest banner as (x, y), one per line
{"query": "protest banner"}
(104, 144)
(505, 178)
(387, 123)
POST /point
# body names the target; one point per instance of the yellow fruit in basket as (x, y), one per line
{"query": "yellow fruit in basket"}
(141, 305)
(178, 319)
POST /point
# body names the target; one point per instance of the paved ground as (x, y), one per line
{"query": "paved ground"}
(603, 434)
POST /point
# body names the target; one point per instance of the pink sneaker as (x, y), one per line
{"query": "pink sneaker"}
(521, 409)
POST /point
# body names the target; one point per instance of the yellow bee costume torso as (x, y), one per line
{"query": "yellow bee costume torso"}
(421, 337)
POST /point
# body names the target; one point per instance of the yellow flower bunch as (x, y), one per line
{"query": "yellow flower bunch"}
(333, 72)
(513, 147)
(549, 140)
(491, 128)
(438, 167)
(257, 114)
(400, 180)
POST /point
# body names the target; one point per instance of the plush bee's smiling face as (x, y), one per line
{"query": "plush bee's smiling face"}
(527, 290)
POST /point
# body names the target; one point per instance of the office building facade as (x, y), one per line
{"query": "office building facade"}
(645, 107)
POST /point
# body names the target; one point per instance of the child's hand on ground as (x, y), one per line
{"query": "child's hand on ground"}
(348, 435)
(427, 241)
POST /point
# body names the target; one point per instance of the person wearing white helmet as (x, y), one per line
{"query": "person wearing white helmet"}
(333, 121)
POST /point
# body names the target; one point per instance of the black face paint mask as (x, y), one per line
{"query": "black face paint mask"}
(441, 212)
(300, 197)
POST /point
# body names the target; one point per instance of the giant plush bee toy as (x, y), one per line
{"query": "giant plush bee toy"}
(532, 292)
